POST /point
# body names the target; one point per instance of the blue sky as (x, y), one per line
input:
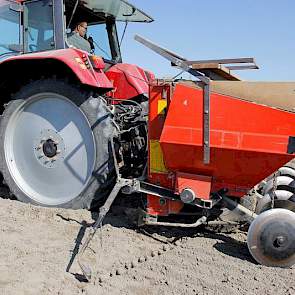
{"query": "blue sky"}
(209, 29)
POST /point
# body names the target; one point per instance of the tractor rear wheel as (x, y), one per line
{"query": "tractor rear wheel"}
(54, 146)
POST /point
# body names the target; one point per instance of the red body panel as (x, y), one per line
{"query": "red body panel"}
(200, 184)
(248, 141)
(75, 60)
(129, 81)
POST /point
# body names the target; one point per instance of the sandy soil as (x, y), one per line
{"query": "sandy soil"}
(38, 246)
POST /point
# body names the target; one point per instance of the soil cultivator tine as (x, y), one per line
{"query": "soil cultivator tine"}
(86, 270)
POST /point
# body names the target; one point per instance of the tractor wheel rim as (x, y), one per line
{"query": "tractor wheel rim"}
(49, 149)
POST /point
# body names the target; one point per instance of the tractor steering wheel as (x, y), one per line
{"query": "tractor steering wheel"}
(32, 47)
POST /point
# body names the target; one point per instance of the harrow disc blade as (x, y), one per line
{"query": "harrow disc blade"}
(282, 199)
(271, 238)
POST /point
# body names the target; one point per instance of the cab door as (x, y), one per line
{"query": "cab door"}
(10, 28)
(38, 26)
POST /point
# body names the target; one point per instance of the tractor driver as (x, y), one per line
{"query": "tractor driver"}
(77, 37)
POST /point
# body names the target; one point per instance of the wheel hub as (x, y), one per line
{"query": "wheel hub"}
(280, 241)
(276, 240)
(49, 148)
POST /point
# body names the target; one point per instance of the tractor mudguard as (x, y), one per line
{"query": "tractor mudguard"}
(76, 60)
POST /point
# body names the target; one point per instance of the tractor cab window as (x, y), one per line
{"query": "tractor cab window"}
(101, 31)
(38, 26)
(100, 38)
(9, 29)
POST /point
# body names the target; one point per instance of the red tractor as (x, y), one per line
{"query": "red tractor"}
(79, 127)
(59, 102)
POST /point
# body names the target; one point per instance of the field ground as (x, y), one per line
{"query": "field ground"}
(38, 246)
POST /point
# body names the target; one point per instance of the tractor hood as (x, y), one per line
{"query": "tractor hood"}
(121, 10)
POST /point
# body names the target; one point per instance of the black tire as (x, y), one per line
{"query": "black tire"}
(102, 177)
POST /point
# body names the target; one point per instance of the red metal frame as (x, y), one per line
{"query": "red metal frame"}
(248, 141)
(200, 184)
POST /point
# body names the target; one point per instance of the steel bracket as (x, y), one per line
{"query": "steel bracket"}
(184, 65)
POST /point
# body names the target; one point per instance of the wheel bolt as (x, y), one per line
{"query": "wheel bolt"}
(280, 241)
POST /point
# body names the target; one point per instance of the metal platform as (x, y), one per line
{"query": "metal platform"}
(221, 69)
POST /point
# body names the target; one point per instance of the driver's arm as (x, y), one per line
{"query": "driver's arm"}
(78, 42)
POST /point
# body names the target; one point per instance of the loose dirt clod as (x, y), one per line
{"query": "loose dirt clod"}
(141, 259)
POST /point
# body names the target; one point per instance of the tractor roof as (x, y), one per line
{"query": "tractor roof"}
(120, 9)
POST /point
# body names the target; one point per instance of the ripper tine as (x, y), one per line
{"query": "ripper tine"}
(86, 270)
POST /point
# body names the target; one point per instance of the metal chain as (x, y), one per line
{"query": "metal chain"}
(273, 191)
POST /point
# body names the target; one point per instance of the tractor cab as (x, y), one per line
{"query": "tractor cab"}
(43, 25)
